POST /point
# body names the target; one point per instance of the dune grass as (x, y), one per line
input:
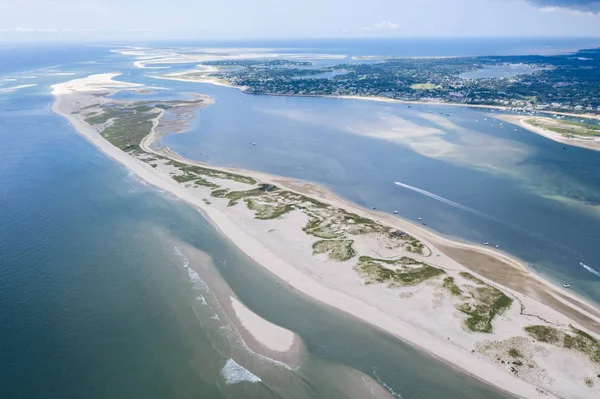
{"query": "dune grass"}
(395, 273)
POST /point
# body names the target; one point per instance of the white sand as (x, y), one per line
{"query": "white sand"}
(268, 334)
(592, 143)
(421, 315)
(99, 82)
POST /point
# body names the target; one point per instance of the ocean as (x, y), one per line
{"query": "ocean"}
(111, 288)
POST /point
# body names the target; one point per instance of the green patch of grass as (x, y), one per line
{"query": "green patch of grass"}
(484, 304)
(212, 172)
(579, 341)
(544, 334)
(566, 128)
(205, 183)
(222, 193)
(514, 352)
(184, 177)
(339, 250)
(235, 196)
(374, 270)
(414, 245)
(449, 285)
(264, 212)
(319, 228)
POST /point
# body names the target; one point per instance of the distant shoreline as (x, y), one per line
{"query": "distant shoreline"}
(221, 82)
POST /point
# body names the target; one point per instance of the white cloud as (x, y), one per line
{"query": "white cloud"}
(382, 26)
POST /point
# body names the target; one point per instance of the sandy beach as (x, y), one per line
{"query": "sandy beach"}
(425, 317)
(591, 143)
(272, 336)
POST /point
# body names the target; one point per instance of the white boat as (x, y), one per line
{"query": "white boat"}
(486, 243)
(497, 246)
(420, 218)
(566, 286)
(395, 212)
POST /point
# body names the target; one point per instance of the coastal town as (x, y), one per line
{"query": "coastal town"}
(561, 83)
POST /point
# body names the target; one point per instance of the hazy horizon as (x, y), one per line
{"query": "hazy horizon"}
(70, 21)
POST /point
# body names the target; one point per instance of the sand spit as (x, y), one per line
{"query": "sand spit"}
(592, 143)
(426, 314)
(270, 335)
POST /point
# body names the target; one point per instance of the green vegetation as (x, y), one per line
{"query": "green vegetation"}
(579, 340)
(415, 246)
(483, 304)
(395, 273)
(545, 334)
(200, 171)
(514, 352)
(566, 82)
(221, 193)
(452, 287)
(264, 212)
(203, 182)
(566, 128)
(339, 250)
(320, 228)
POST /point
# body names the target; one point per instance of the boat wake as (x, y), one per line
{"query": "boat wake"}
(590, 269)
(443, 200)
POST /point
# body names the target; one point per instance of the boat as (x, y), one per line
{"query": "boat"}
(253, 143)
(497, 246)
(395, 212)
(566, 285)
(486, 243)
(420, 218)
(374, 207)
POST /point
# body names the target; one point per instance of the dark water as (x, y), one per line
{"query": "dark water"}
(97, 301)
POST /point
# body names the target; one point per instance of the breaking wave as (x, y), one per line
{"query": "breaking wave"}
(233, 373)
(386, 386)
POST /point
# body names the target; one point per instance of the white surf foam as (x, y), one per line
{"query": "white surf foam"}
(201, 299)
(186, 261)
(14, 88)
(233, 373)
(590, 269)
(386, 386)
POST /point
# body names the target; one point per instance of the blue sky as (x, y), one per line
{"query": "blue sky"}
(239, 19)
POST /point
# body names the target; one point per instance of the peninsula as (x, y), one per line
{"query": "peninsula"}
(470, 306)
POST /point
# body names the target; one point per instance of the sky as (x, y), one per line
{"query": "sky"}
(83, 20)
